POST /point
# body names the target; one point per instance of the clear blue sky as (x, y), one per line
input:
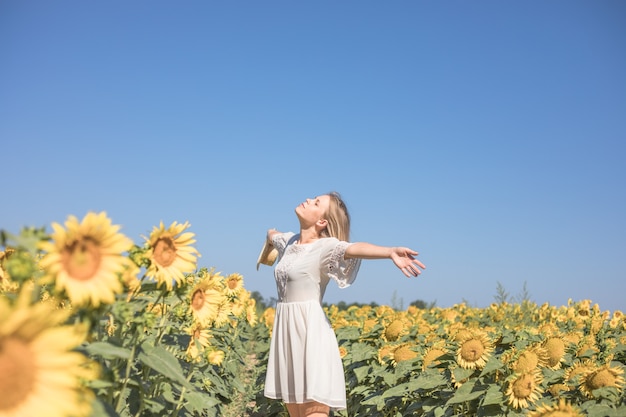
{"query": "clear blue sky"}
(488, 135)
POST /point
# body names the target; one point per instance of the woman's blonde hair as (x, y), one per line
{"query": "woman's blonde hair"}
(338, 219)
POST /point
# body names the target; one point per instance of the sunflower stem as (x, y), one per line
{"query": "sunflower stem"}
(129, 366)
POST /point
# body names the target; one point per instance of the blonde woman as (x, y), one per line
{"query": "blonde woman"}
(304, 368)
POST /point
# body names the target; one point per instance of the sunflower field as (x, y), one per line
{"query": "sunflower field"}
(93, 324)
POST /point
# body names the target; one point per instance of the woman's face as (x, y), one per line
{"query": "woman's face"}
(313, 209)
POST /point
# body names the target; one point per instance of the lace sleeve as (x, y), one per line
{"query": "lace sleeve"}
(343, 271)
(281, 240)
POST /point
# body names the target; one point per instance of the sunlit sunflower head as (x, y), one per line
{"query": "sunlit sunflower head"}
(574, 375)
(233, 284)
(251, 315)
(555, 348)
(561, 409)
(216, 357)
(171, 254)
(403, 352)
(531, 358)
(369, 324)
(432, 354)
(199, 341)
(524, 389)
(384, 353)
(268, 316)
(394, 330)
(474, 350)
(40, 371)
(84, 259)
(603, 376)
(223, 313)
(206, 299)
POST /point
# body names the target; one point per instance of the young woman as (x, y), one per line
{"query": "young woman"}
(304, 368)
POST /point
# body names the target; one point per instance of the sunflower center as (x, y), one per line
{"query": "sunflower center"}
(472, 350)
(17, 373)
(197, 300)
(523, 386)
(602, 378)
(393, 331)
(165, 251)
(527, 362)
(556, 350)
(81, 259)
(232, 284)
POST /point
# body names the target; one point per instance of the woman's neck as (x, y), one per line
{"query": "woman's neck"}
(308, 236)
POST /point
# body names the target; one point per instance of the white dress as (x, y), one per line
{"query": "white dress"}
(304, 363)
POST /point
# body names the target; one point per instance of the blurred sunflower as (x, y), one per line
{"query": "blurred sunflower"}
(524, 389)
(402, 353)
(561, 409)
(84, 260)
(603, 376)
(432, 354)
(200, 340)
(40, 373)
(171, 254)
(555, 347)
(206, 298)
(368, 325)
(385, 352)
(574, 375)
(394, 330)
(216, 357)
(6, 284)
(342, 352)
(233, 284)
(223, 313)
(251, 314)
(268, 317)
(474, 350)
(531, 358)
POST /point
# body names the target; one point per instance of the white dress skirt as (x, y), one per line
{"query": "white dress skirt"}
(304, 363)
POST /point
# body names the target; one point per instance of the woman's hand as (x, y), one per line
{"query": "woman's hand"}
(404, 258)
(270, 233)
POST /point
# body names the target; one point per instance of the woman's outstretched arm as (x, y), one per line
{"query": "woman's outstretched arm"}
(403, 258)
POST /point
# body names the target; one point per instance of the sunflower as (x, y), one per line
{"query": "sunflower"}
(384, 353)
(222, 314)
(216, 357)
(268, 317)
(432, 354)
(200, 340)
(251, 315)
(368, 325)
(171, 254)
(603, 376)
(574, 374)
(531, 358)
(84, 259)
(342, 352)
(561, 409)
(233, 284)
(474, 350)
(524, 389)
(206, 298)
(6, 284)
(40, 373)
(403, 352)
(394, 330)
(555, 347)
